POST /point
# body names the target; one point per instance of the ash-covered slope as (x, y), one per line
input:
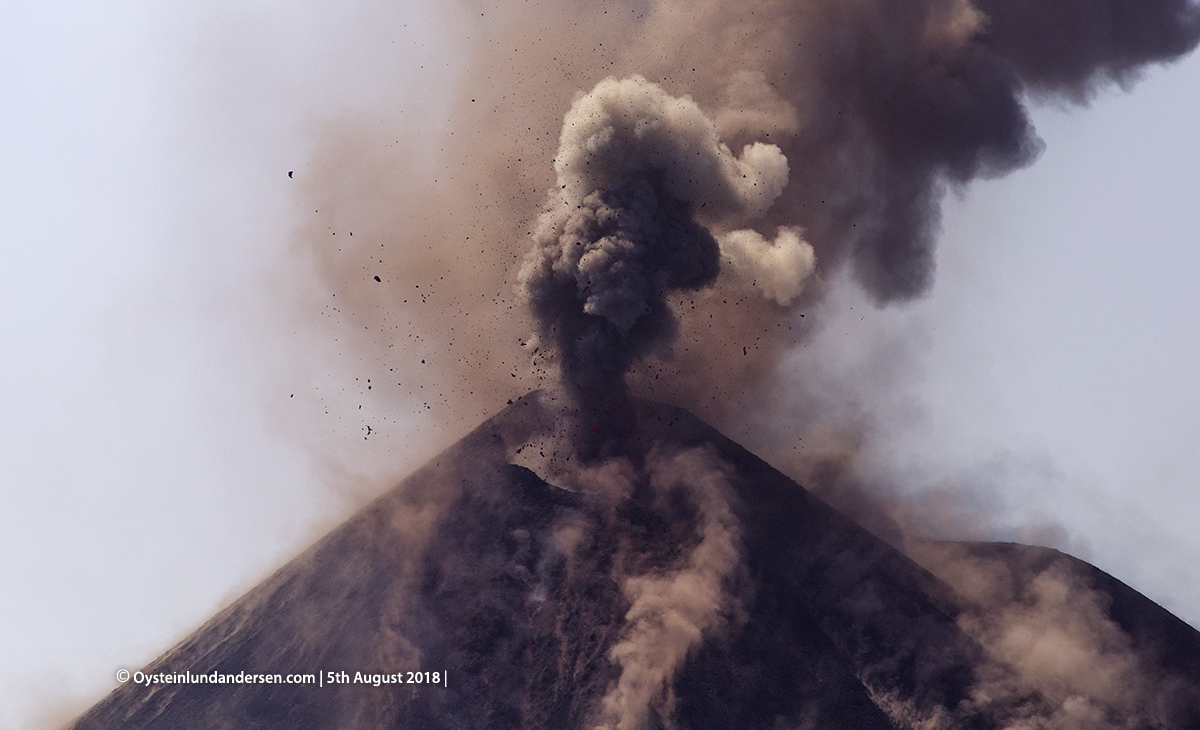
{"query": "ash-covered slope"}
(691, 587)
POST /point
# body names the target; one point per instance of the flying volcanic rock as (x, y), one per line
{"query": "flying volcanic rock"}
(507, 585)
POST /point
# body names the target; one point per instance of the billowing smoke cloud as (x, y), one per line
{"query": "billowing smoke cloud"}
(779, 268)
(640, 174)
(877, 107)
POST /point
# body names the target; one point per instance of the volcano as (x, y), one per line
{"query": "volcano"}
(507, 585)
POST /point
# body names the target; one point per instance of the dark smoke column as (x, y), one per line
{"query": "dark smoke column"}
(645, 189)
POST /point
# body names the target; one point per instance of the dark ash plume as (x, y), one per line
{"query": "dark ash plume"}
(641, 177)
(876, 106)
(1072, 47)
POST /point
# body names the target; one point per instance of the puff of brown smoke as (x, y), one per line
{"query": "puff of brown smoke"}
(673, 611)
(1039, 618)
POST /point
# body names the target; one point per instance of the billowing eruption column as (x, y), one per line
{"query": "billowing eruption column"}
(877, 106)
(648, 199)
(642, 180)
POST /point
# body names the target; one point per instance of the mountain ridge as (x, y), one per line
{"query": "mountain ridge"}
(489, 564)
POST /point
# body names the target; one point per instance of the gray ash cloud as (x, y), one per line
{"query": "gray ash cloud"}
(876, 108)
(642, 176)
(854, 119)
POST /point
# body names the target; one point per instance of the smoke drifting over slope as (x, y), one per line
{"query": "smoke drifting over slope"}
(672, 612)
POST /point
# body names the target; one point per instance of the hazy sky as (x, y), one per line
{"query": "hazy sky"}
(146, 208)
